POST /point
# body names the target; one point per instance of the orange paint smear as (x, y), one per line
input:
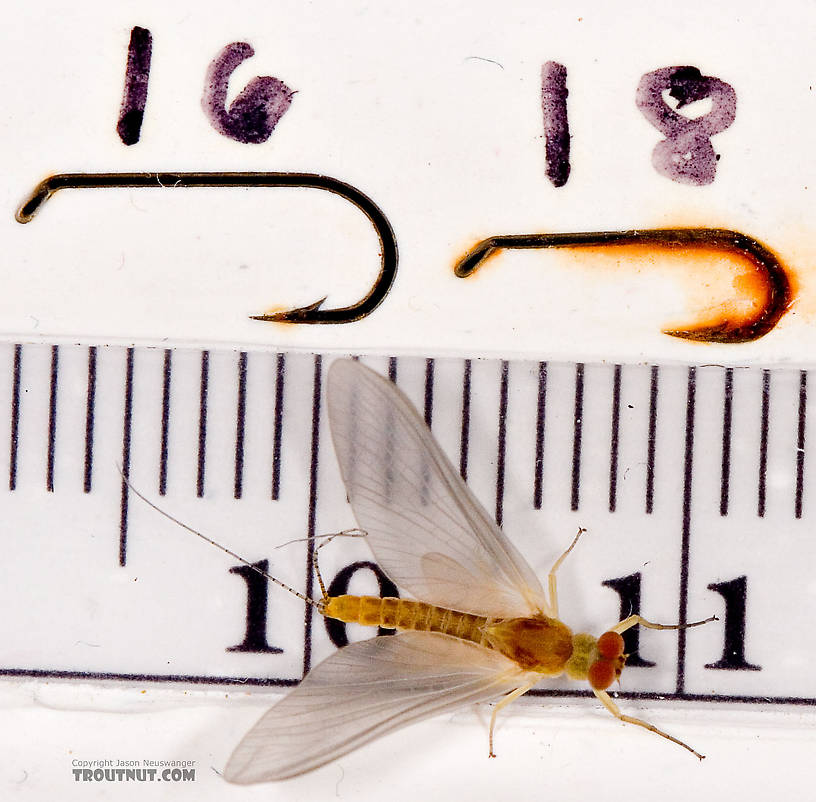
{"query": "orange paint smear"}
(723, 287)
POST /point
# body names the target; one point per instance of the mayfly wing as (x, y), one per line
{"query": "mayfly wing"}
(427, 530)
(366, 690)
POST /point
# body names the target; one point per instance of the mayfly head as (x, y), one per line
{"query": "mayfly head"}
(599, 661)
(609, 663)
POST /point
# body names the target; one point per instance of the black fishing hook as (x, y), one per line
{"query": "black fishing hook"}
(311, 313)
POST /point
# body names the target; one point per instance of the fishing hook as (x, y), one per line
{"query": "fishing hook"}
(311, 313)
(732, 329)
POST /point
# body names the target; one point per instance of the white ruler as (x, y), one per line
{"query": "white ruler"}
(693, 482)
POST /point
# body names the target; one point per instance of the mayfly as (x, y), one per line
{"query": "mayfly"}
(479, 627)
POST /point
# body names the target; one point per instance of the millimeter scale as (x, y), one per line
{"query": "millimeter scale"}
(693, 483)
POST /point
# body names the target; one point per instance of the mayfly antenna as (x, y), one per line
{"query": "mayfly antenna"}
(318, 605)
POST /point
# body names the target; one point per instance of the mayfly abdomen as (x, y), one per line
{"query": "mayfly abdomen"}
(407, 614)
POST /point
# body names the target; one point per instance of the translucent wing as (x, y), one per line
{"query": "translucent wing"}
(426, 529)
(364, 691)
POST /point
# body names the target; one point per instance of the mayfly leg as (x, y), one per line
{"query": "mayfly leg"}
(345, 533)
(551, 577)
(634, 620)
(512, 696)
(354, 532)
(607, 702)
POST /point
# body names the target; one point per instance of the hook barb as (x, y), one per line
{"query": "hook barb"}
(303, 314)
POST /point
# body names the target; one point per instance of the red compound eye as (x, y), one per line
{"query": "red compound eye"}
(610, 645)
(601, 674)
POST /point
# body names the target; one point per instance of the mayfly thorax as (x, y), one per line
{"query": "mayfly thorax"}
(479, 626)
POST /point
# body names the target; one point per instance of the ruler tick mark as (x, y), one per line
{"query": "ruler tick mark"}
(389, 467)
(202, 421)
(688, 470)
(614, 439)
(465, 432)
(725, 471)
(90, 401)
(652, 439)
(429, 380)
(280, 373)
(578, 415)
(800, 443)
(15, 415)
(167, 374)
(127, 421)
(541, 414)
(429, 389)
(502, 441)
(310, 528)
(763, 443)
(240, 424)
(52, 418)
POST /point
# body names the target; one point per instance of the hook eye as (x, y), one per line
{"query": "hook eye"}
(311, 313)
(762, 301)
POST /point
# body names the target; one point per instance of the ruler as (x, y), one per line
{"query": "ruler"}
(692, 481)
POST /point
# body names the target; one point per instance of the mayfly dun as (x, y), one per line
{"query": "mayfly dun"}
(480, 627)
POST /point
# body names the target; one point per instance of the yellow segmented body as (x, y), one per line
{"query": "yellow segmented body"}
(407, 614)
(536, 644)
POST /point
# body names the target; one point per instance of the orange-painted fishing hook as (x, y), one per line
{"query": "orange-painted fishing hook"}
(732, 329)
